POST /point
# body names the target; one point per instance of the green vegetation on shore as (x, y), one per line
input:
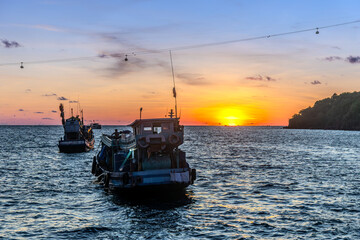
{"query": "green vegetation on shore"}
(340, 112)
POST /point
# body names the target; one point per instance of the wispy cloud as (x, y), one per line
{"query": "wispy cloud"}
(192, 79)
(53, 111)
(47, 118)
(10, 44)
(150, 95)
(49, 95)
(39, 112)
(48, 28)
(261, 78)
(134, 64)
(62, 98)
(73, 101)
(333, 58)
(125, 37)
(28, 90)
(21, 110)
(315, 82)
(352, 59)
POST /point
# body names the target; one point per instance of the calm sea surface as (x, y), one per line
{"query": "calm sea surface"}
(253, 183)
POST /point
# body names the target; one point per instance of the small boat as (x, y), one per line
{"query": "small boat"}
(147, 159)
(95, 125)
(77, 136)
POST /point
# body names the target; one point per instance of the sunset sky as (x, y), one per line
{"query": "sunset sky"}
(257, 82)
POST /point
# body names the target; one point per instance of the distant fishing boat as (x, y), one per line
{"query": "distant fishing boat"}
(95, 125)
(147, 159)
(77, 136)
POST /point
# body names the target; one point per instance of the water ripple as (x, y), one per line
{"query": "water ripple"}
(253, 183)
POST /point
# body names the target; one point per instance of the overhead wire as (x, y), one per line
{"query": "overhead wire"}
(143, 52)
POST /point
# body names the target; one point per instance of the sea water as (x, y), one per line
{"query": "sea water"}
(252, 183)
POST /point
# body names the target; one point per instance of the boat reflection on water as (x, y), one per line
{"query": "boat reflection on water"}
(156, 200)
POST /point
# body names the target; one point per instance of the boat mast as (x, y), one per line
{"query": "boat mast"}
(62, 115)
(174, 88)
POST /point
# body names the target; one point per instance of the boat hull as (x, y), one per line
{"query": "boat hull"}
(75, 146)
(162, 180)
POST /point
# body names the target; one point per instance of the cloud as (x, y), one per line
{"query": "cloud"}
(192, 79)
(10, 44)
(49, 95)
(261, 78)
(39, 112)
(47, 118)
(62, 98)
(270, 79)
(48, 28)
(73, 101)
(112, 55)
(125, 38)
(53, 111)
(262, 86)
(352, 59)
(27, 90)
(134, 64)
(21, 110)
(332, 58)
(315, 82)
(150, 95)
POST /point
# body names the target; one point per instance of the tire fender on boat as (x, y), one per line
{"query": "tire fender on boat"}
(93, 167)
(142, 142)
(107, 180)
(193, 175)
(174, 139)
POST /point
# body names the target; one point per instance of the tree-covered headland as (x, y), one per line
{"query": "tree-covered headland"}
(340, 112)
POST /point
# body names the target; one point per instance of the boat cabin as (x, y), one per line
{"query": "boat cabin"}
(167, 129)
(72, 129)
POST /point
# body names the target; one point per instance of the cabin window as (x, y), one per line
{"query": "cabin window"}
(147, 128)
(157, 130)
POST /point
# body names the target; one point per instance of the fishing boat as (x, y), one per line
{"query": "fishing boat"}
(147, 158)
(77, 136)
(95, 125)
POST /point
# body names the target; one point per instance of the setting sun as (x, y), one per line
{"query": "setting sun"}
(232, 117)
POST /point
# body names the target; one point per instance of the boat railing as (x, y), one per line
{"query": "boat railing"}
(126, 142)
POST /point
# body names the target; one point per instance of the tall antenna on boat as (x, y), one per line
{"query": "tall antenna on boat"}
(174, 89)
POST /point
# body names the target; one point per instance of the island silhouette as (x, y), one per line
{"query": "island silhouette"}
(339, 112)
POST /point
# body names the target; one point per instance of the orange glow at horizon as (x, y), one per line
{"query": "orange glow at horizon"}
(232, 117)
